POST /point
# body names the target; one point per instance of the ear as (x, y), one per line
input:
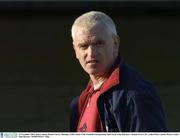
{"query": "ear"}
(117, 41)
(116, 44)
(75, 50)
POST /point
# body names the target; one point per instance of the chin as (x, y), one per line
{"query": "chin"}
(94, 71)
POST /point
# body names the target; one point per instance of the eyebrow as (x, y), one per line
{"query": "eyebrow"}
(93, 42)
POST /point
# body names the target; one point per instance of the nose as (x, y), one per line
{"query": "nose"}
(92, 51)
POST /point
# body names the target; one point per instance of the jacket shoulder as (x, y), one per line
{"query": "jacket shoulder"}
(131, 79)
(133, 83)
(136, 97)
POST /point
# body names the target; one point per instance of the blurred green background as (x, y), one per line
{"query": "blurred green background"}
(39, 74)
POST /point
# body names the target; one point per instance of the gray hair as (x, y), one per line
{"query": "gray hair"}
(92, 18)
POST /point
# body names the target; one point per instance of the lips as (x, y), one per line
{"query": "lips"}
(92, 61)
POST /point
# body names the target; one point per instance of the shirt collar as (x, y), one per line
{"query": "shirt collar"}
(112, 80)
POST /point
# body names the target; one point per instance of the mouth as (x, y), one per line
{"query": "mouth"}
(92, 62)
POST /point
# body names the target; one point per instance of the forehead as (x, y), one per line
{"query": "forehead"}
(84, 34)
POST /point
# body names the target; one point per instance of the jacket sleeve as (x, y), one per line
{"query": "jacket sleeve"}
(74, 114)
(144, 112)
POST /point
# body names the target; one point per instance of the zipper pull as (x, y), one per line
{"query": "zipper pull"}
(89, 99)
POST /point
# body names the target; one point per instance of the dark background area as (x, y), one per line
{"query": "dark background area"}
(39, 74)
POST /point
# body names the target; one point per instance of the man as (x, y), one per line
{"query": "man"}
(116, 99)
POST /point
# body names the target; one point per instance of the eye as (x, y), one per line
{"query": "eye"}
(83, 46)
(98, 43)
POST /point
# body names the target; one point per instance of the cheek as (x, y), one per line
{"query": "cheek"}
(108, 51)
(81, 57)
(78, 54)
(108, 55)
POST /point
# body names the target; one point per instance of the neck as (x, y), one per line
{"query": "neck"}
(97, 81)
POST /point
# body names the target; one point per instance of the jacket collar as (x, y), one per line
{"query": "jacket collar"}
(112, 81)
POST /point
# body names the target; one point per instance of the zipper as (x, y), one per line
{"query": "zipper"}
(89, 99)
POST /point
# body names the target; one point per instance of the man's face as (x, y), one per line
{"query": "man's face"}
(96, 49)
